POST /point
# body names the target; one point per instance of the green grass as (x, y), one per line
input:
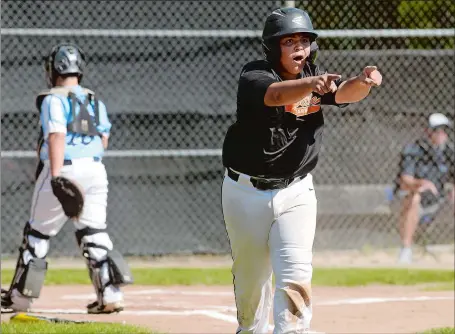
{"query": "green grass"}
(366, 276)
(445, 330)
(51, 328)
(222, 276)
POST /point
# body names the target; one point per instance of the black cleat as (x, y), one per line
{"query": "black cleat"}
(96, 308)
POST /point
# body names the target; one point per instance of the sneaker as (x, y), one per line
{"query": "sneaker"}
(405, 256)
(96, 308)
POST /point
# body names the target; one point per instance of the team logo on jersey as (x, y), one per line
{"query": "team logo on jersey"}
(308, 105)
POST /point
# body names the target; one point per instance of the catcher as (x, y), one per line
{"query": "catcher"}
(71, 184)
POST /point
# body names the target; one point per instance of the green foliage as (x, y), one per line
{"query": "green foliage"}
(426, 14)
(379, 14)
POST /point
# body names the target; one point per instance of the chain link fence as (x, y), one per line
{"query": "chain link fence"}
(167, 71)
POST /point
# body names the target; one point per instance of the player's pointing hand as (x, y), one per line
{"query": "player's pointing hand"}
(325, 83)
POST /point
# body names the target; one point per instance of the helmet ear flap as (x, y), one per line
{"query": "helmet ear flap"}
(271, 51)
(314, 50)
(266, 50)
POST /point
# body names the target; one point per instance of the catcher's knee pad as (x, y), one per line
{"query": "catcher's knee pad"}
(106, 266)
(31, 265)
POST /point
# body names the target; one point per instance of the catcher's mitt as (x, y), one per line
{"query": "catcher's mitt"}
(69, 195)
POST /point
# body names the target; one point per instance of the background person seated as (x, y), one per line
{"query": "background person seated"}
(426, 166)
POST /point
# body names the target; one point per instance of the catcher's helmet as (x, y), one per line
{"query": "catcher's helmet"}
(64, 59)
(282, 22)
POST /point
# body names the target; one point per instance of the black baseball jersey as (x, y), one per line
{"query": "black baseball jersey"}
(274, 142)
(424, 161)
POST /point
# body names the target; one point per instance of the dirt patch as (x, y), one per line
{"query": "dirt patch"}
(201, 309)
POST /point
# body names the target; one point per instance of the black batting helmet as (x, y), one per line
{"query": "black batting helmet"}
(64, 59)
(282, 22)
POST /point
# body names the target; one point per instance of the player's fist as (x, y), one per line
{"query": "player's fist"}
(371, 76)
(323, 84)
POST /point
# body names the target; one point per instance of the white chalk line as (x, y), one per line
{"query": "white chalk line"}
(350, 301)
(173, 306)
(187, 293)
(153, 292)
(208, 313)
(215, 311)
(126, 312)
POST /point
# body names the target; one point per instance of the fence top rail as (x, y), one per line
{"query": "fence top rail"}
(130, 153)
(342, 33)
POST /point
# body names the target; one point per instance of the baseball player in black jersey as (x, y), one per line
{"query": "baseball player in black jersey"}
(268, 198)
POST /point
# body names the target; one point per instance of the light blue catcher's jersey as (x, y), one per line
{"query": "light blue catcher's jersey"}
(56, 114)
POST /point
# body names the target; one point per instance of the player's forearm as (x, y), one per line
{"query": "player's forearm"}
(56, 152)
(351, 90)
(105, 140)
(287, 92)
(410, 183)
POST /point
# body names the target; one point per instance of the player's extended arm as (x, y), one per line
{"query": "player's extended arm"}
(56, 152)
(357, 88)
(292, 91)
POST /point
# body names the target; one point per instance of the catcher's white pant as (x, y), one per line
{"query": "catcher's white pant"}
(47, 214)
(48, 218)
(271, 230)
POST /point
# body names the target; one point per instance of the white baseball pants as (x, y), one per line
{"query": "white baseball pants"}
(271, 232)
(48, 218)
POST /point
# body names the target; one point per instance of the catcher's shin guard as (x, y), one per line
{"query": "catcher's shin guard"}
(30, 270)
(107, 269)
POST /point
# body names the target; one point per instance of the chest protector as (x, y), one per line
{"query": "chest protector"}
(82, 123)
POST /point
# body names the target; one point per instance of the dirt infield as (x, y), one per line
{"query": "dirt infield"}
(202, 309)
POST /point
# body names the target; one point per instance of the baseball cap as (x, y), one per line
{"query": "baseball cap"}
(438, 120)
